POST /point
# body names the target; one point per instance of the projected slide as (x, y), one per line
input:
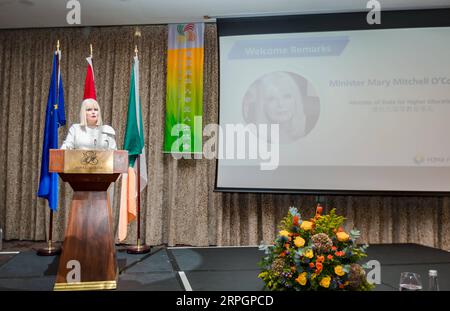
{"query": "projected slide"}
(355, 110)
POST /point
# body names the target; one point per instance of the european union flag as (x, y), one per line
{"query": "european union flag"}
(54, 118)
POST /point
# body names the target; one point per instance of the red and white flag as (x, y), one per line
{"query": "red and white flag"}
(89, 85)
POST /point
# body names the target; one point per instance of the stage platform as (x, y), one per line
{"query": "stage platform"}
(213, 268)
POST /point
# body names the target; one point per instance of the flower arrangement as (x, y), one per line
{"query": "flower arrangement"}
(314, 254)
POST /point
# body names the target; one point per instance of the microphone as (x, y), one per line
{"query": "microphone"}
(95, 143)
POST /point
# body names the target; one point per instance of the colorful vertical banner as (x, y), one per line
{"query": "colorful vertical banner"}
(184, 94)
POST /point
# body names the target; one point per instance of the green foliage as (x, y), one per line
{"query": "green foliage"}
(286, 222)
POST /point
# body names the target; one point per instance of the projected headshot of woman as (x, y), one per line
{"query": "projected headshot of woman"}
(279, 98)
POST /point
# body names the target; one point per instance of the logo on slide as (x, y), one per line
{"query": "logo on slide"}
(419, 159)
(283, 98)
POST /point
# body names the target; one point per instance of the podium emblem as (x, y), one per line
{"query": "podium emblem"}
(89, 161)
(89, 158)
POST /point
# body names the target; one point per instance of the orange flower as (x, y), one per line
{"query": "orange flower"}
(306, 225)
(325, 282)
(309, 254)
(333, 248)
(320, 258)
(341, 286)
(293, 269)
(339, 270)
(319, 210)
(284, 233)
(299, 241)
(282, 254)
(286, 245)
(330, 257)
(311, 264)
(340, 254)
(295, 220)
(302, 278)
(319, 266)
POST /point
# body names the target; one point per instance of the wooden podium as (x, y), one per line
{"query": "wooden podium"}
(88, 259)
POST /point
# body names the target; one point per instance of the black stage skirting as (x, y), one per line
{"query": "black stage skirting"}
(214, 268)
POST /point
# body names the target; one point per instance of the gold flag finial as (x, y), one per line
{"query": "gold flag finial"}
(90, 45)
(137, 32)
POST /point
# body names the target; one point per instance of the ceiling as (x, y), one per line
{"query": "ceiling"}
(52, 13)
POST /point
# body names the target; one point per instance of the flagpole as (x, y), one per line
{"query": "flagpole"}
(50, 250)
(138, 248)
(138, 201)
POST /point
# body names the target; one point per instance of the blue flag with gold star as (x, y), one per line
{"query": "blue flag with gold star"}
(54, 118)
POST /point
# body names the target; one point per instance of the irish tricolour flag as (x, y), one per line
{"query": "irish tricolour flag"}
(134, 144)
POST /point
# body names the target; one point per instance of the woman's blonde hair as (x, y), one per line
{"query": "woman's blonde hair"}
(85, 102)
(255, 111)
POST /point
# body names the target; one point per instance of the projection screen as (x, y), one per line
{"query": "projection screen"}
(337, 109)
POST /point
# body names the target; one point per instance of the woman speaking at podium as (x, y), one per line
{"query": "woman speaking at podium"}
(90, 133)
(89, 238)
